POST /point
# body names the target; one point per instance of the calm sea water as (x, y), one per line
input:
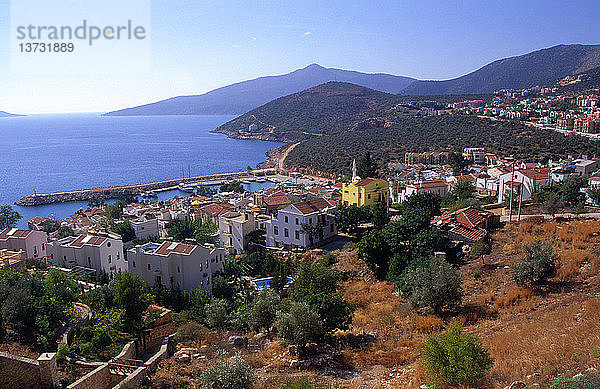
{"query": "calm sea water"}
(49, 153)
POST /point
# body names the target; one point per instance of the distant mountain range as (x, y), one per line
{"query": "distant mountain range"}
(524, 71)
(4, 114)
(536, 68)
(243, 96)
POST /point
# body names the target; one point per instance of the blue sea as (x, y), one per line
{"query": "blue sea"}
(49, 153)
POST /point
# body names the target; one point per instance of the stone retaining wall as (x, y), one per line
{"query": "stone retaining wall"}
(21, 372)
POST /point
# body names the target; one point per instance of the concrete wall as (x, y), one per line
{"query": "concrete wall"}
(98, 378)
(21, 372)
(18, 372)
(134, 378)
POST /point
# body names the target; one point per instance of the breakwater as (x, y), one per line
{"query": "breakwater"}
(112, 192)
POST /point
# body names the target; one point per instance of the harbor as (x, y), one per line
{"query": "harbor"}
(186, 184)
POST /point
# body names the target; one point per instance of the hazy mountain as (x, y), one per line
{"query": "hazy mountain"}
(4, 114)
(243, 96)
(536, 68)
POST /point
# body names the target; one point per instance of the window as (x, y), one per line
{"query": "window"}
(297, 235)
(297, 221)
(178, 269)
(89, 262)
(369, 196)
(149, 267)
(118, 256)
(276, 230)
(108, 244)
(230, 230)
(286, 232)
(331, 227)
(200, 267)
(286, 219)
(34, 250)
(310, 220)
(109, 259)
(133, 263)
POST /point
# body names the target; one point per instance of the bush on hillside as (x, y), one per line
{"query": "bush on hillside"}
(434, 286)
(300, 326)
(540, 263)
(454, 359)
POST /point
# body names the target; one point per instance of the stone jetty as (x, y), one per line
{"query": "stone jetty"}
(112, 192)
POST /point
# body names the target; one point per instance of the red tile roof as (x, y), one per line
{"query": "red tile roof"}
(312, 206)
(173, 247)
(88, 240)
(276, 200)
(474, 234)
(217, 209)
(367, 181)
(431, 184)
(16, 233)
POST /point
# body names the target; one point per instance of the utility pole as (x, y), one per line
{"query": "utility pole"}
(521, 197)
(512, 181)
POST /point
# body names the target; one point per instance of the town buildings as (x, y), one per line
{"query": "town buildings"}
(100, 253)
(286, 229)
(184, 266)
(32, 243)
(234, 228)
(367, 191)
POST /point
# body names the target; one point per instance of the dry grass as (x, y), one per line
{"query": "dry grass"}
(554, 342)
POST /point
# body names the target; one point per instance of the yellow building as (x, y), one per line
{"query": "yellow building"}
(367, 191)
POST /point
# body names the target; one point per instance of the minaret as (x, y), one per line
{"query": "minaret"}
(354, 170)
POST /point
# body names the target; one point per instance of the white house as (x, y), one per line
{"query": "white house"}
(527, 180)
(31, 242)
(183, 266)
(439, 187)
(285, 230)
(234, 228)
(101, 253)
(145, 226)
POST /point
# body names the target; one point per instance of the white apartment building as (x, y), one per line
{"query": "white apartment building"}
(438, 187)
(32, 243)
(285, 230)
(475, 155)
(183, 266)
(234, 228)
(145, 226)
(101, 253)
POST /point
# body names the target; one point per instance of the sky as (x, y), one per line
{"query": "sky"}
(197, 46)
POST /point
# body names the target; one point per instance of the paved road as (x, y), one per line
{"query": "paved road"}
(549, 217)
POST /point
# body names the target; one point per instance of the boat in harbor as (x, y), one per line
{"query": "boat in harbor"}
(189, 188)
(149, 195)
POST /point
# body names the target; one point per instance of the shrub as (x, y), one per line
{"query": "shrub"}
(62, 351)
(216, 314)
(300, 326)
(453, 359)
(374, 250)
(190, 332)
(434, 285)
(264, 310)
(317, 284)
(587, 380)
(540, 263)
(235, 374)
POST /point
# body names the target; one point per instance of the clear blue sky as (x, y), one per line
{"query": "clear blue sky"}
(200, 45)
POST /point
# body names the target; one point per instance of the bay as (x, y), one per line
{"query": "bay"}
(49, 153)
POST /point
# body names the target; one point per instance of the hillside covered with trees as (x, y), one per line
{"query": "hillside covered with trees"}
(334, 153)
